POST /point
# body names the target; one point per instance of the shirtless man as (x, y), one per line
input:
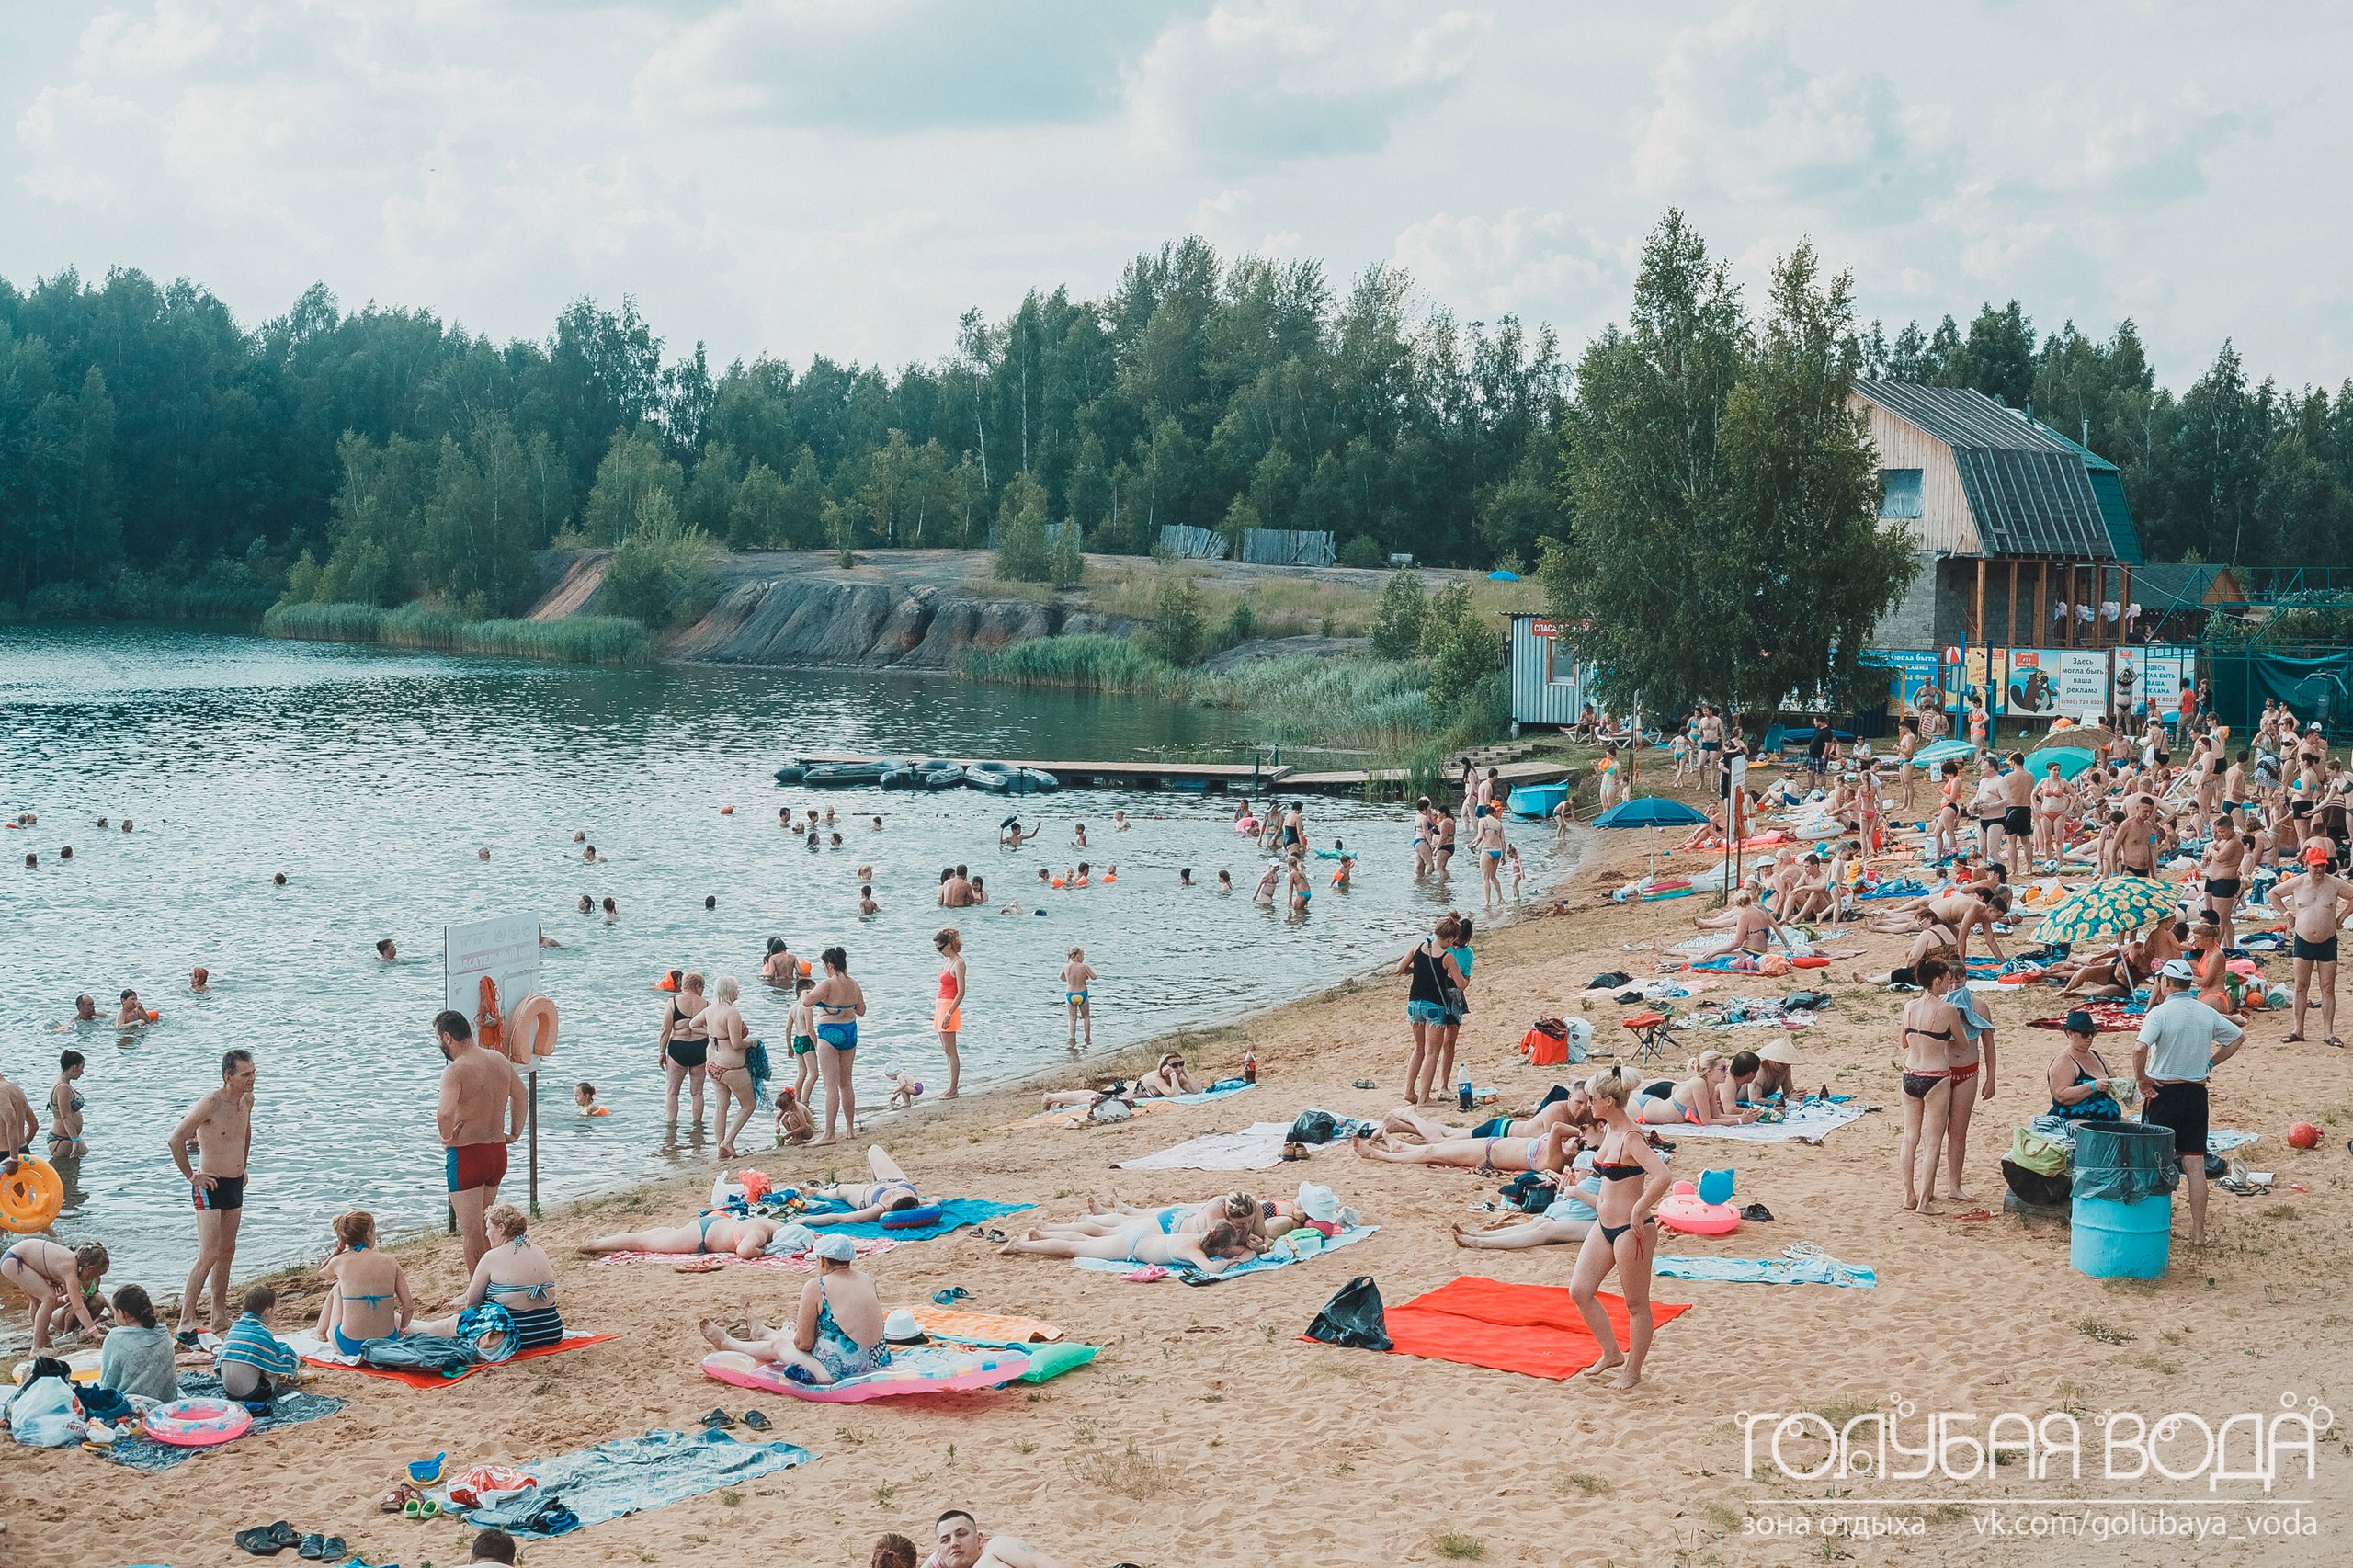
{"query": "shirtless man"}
(961, 1545)
(18, 1127)
(481, 1111)
(1711, 746)
(222, 1128)
(2017, 812)
(2136, 838)
(2224, 872)
(2318, 903)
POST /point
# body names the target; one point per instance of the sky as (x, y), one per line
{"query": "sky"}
(848, 176)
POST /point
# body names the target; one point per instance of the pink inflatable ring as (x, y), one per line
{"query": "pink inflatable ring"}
(199, 1422)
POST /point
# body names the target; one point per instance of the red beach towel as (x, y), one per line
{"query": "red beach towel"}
(1531, 1329)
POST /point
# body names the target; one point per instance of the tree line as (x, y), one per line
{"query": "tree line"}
(158, 455)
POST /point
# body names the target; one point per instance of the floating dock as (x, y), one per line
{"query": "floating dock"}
(1226, 778)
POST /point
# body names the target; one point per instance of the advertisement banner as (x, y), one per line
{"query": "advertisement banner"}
(2154, 675)
(2033, 686)
(490, 965)
(1914, 679)
(1983, 674)
(2081, 682)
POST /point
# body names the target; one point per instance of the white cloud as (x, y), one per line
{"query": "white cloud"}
(1536, 265)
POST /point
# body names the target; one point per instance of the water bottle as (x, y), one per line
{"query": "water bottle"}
(1462, 1094)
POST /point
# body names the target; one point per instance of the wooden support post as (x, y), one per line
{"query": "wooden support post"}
(2010, 610)
(2042, 604)
(2123, 602)
(1977, 609)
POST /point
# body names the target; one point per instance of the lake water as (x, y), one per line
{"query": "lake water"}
(372, 778)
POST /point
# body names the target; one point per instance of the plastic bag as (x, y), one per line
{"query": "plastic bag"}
(1353, 1317)
(2124, 1161)
(1313, 1127)
(45, 1415)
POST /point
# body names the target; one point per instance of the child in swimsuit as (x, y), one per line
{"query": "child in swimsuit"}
(1076, 975)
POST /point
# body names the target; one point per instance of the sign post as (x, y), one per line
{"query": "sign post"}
(487, 967)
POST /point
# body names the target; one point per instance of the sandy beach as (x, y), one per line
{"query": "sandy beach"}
(1207, 1432)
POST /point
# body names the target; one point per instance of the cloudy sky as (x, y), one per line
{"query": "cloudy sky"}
(848, 175)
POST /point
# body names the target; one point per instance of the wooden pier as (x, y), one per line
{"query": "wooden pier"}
(1227, 777)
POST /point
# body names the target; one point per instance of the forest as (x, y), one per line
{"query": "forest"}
(160, 458)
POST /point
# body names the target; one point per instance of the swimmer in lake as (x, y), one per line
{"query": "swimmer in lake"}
(875, 826)
(835, 842)
(588, 855)
(86, 1011)
(386, 950)
(1119, 821)
(482, 854)
(866, 905)
(130, 1014)
(587, 905)
(612, 910)
(65, 1109)
(199, 978)
(278, 881)
(1225, 881)
(1185, 877)
(1078, 835)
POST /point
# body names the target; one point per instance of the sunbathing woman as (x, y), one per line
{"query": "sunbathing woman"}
(716, 1232)
(1753, 928)
(1700, 1100)
(61, 1281)
(1213, 1251)
(1568, 1220)
(1167, 1080)
(1408, 1123)
(836, 1333)
(370, 1298)
(516, 1276)
(1240, 1210)
(1625, 1233)
(890, 1190)
(1544, 1151)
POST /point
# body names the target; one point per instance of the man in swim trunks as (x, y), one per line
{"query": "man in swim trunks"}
(481, 1111)
(222, 1128)
(18, 1127)
(1711, 745)
(2318, 902)
(961, 1545)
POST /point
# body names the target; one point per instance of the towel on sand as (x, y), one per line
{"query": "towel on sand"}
(319, 1353)
(1257, 1147)
(633, 1474)
(1810, 1123)
(954, 1214)
(289, 1409)
(1818, 1270)
(704, 1262)
(1276, 1259)
(993, 1327)
(1533, 1329)
(2113, 1017)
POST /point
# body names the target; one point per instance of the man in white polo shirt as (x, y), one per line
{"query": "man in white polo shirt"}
(2180, 1040)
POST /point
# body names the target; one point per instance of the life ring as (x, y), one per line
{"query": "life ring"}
(30, 1197)
(1682, 1210)
(914, 1219)
(199, 1422)
(531, 1030)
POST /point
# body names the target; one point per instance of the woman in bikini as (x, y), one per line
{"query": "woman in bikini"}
(61, 1281)
(2051, 796)
(836, 1002)
(1434, 973)
(1946, 842)
(680, 1047)
(1240, 1210)
(1625, 1231)
(728, 1065)
(516, 1275)
(1213, 1251)
(368, 1297)
(713, 1233)
(836, 1334)
(1547, 1151)
(947, 1008)
(890, 1190)
(2079, 1075)
(1700, 1100)
(1930, 1027)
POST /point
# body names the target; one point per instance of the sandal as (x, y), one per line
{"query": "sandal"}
(949, 1297)
(996, 1236)
(718, 1419)
(268, 1541)
(317, 1548)
(757, 1420)
(1973, 1215)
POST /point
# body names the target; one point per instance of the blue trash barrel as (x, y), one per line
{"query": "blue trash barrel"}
(2123, 1176)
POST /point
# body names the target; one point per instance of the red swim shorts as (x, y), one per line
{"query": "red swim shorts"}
(471, 1166)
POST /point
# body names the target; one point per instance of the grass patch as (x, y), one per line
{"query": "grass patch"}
(1586, 1481)
(1081, 663)
(1838, 1412)
(577, 639)
(1465, 1547)
(1722, 1515)
(1130, 1471)
(2107, 1334)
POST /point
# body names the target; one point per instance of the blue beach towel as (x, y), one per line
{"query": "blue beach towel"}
(1255, 1266)
(630, 1475)
(1822, 1270)
(954, 1214)
(1217, 1091)
(288, 1410)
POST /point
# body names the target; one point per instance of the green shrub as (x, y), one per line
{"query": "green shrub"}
(579, 640)
(661, 574)
(1066, 562)
(1397, 623)
(1021, 553)
(1240, 627)
(1177, 631)
(1361, 551)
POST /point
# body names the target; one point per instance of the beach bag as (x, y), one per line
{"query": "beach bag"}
(418, 1353)
(44, 1414)
(1313, 1127)
(1529, 1193)
(1110, 1108)
(1610, 981)
(488, 1334)
(1353, 1318)
(1805, 1000)
(488, 1485)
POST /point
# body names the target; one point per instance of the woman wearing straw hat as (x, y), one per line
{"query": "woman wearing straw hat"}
(1777, 1074)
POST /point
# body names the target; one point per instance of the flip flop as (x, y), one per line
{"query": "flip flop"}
(1973, 1215)
(950, 1296)
(996, 1236)
(757, 1421)
(718, 1418)
(262, 1540)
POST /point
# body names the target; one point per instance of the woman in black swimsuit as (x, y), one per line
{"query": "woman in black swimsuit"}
(1931, 1025)
(1624, 1237)
(680, 1047)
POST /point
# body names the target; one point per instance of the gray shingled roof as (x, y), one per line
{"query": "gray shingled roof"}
(2027, 491)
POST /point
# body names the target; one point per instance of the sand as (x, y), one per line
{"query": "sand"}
(1207, 1433)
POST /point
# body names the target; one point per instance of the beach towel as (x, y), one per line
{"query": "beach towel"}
(1740, 963)
(2113, 1017)
(1259, 1147)
(1276, 1259)
(290, 1409)
(1535, 1330)
(1816, 1270)
(2222, 1139)
(1810, 1123)
(629, 1476)
(318, 1353)
(954, 1214)
(1219, 1090)
(705, 1262)
(991, 1327)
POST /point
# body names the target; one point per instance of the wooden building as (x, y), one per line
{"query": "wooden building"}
(2014, 548)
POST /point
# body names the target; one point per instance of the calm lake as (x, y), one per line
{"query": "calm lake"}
(372, 778)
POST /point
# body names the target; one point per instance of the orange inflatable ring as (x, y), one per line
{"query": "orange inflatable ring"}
(531, 1030)
(1110, 876)
(727, 810)
(1057, 882)
(30, 1197)
(669, 981)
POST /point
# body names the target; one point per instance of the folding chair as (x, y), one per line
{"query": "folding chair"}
(1654, 1032)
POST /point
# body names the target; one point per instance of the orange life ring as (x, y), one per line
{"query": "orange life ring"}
(30, 1197)
(531, 1030)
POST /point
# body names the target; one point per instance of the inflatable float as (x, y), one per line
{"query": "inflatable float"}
(1684, 1209)
(30, 1197)
(199, 1422)
(917, 1369)
(1246, 826)
(914, 1219)
(81, 1366)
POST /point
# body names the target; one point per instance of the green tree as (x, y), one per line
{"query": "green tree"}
(1066, 558)
(1466, 653)
(1397, 622)
(1727, 543)
(757, 513)
(1177, 631)
(661, 574)
(632, 469)
(478, 534)
(1021, 553)
(1520, 515)
(709, 495)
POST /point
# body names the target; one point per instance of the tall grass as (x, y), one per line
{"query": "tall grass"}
(577, 639)
(1372, 704)
(1084, 664)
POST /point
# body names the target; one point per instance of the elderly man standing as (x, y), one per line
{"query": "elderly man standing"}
(481, 1111)
(2181, 1040)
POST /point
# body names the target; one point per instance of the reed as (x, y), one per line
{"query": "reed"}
(576, 639)
(1091, 663)
(1372, 704)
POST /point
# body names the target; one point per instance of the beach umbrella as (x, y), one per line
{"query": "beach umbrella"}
(2072, 760)
(1929, 756)
(1652, 812)
(1500, 576)
(2112, 906)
